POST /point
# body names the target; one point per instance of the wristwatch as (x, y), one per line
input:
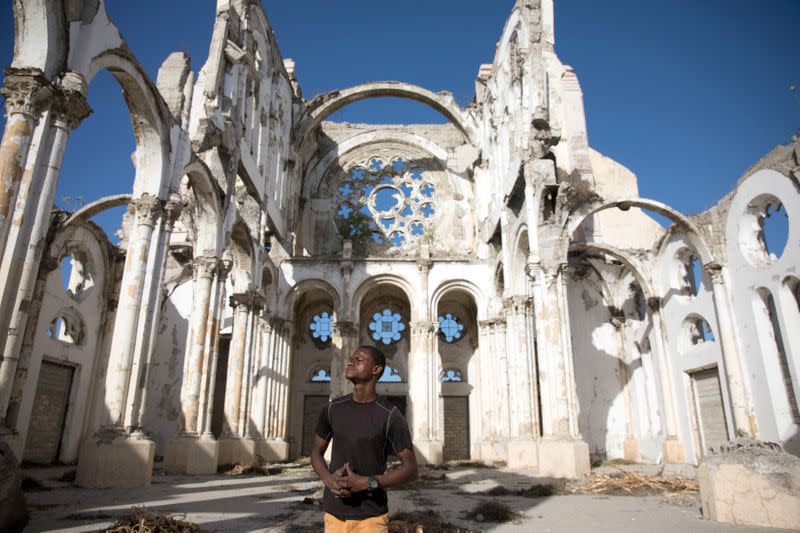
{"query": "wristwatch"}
(372, 484)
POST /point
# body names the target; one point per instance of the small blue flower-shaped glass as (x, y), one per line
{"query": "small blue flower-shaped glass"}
(321, 327)
(450, 327)
(386, 327)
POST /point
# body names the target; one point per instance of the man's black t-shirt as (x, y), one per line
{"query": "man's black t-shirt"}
(364, 434)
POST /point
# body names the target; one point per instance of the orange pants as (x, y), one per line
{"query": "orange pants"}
(376, 524)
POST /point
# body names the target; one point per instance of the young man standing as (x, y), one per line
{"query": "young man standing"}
(365, 429)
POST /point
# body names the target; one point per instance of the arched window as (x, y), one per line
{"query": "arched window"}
(66, 328)
(696, 331)
(688, 272)
(386, 327)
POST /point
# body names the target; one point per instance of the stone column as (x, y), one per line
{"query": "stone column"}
(31, 221)
(151, 311)
(111, 458)
(562, 453)
(25, 91)
(630, 445)
(674, 452)
(423, 376)
(487, 385)
(230, 451)
(207, 390)
(261, 376)
(345, 337)
(186, 454)
(743, 417)
(283, 384)
(522, 446)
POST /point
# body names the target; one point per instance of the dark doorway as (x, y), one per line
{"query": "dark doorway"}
(49, 412)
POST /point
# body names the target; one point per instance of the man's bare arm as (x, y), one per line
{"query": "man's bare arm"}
(406, 473)
(337, 482)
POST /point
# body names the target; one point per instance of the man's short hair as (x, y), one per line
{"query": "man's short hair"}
(377, 356)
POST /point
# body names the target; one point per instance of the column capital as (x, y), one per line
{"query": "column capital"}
(714, 271)
(147, 209)
(247, 300)
(26, 91)
(617, 317)
(517, 305)
(345, 328)
(172, 211)
(69, 100)
(423, 327)
(205, 266)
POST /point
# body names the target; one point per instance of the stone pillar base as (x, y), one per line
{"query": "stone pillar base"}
(753, 483)
(272, 450)
(191, 456)
(115, 462)
(631, 450)
(674, 454)
(429, 452)
(492, 453)
(563, 458)
(236, 451)
(523, 453)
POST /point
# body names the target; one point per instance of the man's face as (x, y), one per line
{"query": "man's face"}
(361, 367)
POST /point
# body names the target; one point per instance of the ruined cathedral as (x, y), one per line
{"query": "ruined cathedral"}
(533, 314)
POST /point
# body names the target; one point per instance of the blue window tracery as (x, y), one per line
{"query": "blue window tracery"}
(390, 375)
(452, 375)
(396, 195)
(450, 327)
(386, 327)
(322, 375)
(321, 327)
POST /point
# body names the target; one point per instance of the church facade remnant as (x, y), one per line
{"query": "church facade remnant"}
(531, 311)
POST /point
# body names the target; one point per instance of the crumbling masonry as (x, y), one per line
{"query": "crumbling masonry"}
(531, 312)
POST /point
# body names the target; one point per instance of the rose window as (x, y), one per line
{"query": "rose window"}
(393, 203)
(321, 327)
(386, 327)
(450, 328)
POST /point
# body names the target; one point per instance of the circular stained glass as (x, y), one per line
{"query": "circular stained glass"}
(394, 201)
(450, 328)
(386, 327)
(321, 327)
(452, 375)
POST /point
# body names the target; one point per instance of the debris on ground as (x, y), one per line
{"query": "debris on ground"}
(257, 470)
(143, 520)
(627, 483)
(492, 511)
(534, 491)
(427, 521)
(30, 484)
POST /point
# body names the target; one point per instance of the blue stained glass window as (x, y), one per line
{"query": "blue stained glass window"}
(427, 210)
(321, 327)
(450, 327)
(390, 375)
(407, 190)
(322, 375)
(375, 165)
(386, 327)
(407, 211)
(427, 190)
(399, 165)
(452, 375)
(345, 189)
(416, 174)
(344, 211)
(397, 238)
(358, 174)
(417, 228)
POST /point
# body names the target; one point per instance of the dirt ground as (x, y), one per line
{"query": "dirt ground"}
(458, 497)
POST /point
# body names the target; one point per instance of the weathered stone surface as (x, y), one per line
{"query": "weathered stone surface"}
(751, 482)
(13, 511)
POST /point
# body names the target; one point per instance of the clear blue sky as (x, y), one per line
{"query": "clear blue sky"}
(687, 93)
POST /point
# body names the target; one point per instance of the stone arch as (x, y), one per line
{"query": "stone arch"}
(98, 206)
(519, 260)
(693, 233)
(325, 104)
(302, 287)
(208, 209)
(375, 282)
(622, 257)
(150, 118)
(460, 285)
(315, 175)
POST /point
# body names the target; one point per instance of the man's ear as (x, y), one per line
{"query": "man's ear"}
(379, 374)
